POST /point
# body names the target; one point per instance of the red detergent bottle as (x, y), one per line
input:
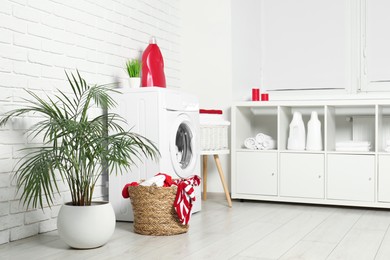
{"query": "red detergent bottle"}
(153, 66)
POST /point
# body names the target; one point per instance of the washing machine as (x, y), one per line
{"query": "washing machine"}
(169, 118)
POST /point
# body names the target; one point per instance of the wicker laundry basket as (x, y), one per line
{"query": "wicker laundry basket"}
(153, 210)
(213, 131)
(214, 137)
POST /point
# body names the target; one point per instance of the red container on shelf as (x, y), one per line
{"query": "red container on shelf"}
(264, 97)
(153, 66)
(255, 94)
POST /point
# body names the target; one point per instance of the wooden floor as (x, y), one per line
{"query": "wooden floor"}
(249, 230)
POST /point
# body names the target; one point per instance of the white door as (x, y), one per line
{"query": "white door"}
(302, 175)
(256, 173)
(141, 113)
(183, 146)
(351, 177)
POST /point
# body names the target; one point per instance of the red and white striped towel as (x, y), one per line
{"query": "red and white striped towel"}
(184, 197)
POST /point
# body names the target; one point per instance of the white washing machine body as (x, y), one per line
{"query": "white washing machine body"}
(169, 118)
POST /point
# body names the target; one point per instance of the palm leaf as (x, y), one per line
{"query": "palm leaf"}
(76, 148)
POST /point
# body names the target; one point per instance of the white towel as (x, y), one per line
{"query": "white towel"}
(250, 143)
(265, 142)
(353, 149)
(156, 180)
(353, 144)
(260, 138)
(267, 145)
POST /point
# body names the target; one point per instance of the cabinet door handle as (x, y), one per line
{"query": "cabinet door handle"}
(273, 174)
(319, 176)
(369, 179)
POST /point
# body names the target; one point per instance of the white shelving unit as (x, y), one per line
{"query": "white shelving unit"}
(322, 177)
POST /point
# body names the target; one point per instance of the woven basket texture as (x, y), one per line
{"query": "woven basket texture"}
(153, 210)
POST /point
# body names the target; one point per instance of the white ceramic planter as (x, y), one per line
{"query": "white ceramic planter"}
(86, 226)
(135, 82)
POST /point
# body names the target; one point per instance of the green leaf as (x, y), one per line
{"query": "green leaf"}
(133, 68)
(76, 148)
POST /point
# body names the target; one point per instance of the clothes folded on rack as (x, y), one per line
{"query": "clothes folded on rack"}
(353, 146)
(211, 117)
(387, 148)
(260, 142)
(353, 149)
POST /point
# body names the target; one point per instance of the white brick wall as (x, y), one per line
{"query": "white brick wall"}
(39, 39)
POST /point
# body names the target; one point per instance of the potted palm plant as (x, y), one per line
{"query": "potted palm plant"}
(77, 148)
(133, 68)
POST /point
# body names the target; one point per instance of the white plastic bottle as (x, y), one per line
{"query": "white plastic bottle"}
(314, 136)
(297, 134)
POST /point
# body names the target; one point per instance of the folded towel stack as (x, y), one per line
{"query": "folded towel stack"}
(353, 146)
(387, 148)
(260, 142)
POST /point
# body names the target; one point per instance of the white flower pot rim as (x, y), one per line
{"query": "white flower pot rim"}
(135, 82)
(93, 203)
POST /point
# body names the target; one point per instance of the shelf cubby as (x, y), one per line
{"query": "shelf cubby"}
(286, 115)
(253, 121)
(350, 123)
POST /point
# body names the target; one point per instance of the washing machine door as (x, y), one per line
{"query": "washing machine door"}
(183, 150)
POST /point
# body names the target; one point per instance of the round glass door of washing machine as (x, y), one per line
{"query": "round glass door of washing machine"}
(182, 146)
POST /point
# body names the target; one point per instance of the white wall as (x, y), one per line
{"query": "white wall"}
(206, 63)
(39, 39)
(246, 48)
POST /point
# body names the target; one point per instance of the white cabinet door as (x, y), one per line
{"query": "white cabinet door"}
(351, 177)
(256, 173)
(302, 175)
(384, 178)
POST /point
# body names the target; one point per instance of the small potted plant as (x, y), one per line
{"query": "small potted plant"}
(134, 70)
(77, 148)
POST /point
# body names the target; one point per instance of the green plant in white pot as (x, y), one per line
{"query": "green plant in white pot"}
(78, 149)
(133, 68)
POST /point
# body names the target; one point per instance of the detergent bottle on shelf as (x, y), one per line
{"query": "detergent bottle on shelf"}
(297, 135)
(314, 136)
(152, 66)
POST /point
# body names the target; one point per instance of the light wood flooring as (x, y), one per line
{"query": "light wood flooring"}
(249, 230)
